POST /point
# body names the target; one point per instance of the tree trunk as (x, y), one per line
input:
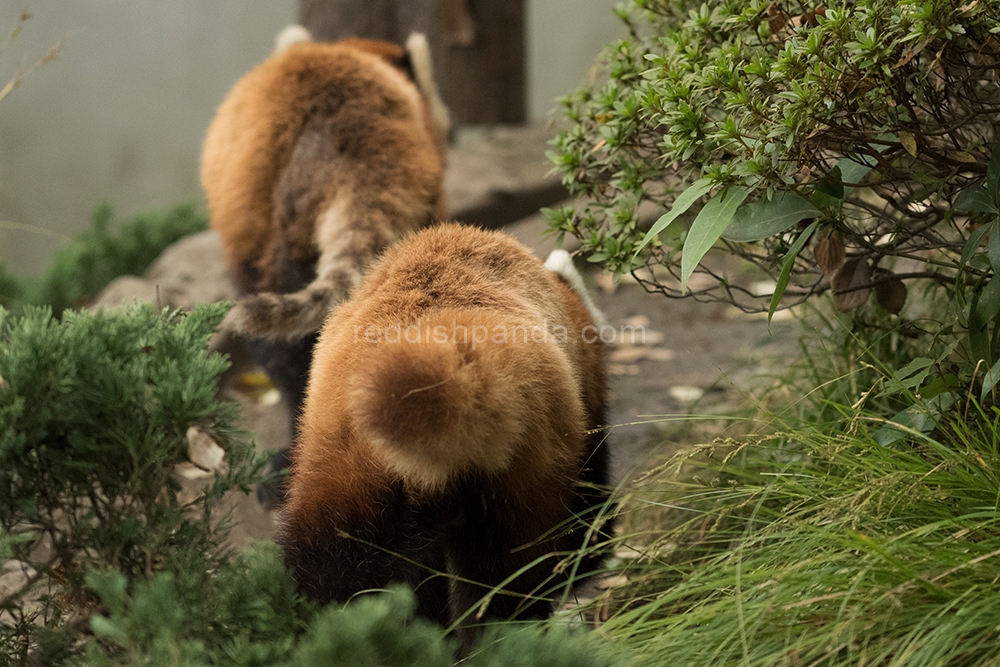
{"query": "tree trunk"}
(477, 46)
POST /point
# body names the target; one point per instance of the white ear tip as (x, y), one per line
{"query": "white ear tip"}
(289, 35)
(423, 72)
(417, 41)
(558, 260)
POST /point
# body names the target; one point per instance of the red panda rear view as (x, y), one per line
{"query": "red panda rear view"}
(449, 426)
(318, 159)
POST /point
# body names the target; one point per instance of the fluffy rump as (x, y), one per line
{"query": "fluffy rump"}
(433, 410)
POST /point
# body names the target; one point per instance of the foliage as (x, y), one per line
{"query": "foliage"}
(375, 631)
(97, 256)
(246, 613)
(94, 415)
(834, 537)
(11, 289)
(842, 148)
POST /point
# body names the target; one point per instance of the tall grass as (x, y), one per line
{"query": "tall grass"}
(812, 544)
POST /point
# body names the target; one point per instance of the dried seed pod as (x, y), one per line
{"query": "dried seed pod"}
(891, 295)
(829, 254)
(849, 284)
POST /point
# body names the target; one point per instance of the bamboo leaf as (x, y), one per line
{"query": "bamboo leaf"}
(786, 268)
(761, 219)
(684, 200)
(708, 227)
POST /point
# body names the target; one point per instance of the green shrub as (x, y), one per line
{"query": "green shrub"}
(843, 148)
(94, 415)
(245, 613)
(374, 631)
(97, 256)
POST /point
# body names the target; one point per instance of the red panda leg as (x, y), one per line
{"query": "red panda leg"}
(398, 544)
(591, 504)
(287, 365)
(487, 546)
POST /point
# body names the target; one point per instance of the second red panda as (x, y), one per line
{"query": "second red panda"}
(318, 159)
(450, 426)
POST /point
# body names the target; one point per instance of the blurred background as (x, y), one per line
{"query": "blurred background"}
(120, 113)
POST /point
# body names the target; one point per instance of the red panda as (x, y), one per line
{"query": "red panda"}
(450, 425)
(317, 160)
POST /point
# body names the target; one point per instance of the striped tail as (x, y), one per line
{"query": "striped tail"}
(289, 316)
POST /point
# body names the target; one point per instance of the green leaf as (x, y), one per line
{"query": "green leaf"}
(786, 268)
(979, 340)
(921, 417)
(105, 627)
(684, 200)
(993, 250)
(854, 168)
(761, 219)
(975, 238)
(708, 227)
(911, 375)
(990, 381)
(993, 174)
(989, 301)
(832, 183)
(974, 199)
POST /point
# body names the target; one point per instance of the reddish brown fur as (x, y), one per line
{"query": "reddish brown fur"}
(443, 451)
(317, 160)
(265, 188)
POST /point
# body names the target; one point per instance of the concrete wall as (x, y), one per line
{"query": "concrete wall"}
(120, 115)
(564, 37)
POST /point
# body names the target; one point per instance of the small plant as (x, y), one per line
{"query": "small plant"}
(834, 537)
(95, 412)
(82, 268)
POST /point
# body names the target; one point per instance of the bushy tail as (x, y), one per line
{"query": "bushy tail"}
(440, 399)
(285, 316)
(561, 263)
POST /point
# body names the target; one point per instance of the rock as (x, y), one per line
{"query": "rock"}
(189, 272)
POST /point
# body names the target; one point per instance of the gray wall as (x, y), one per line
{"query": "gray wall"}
(120, 115)
(564, 37)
